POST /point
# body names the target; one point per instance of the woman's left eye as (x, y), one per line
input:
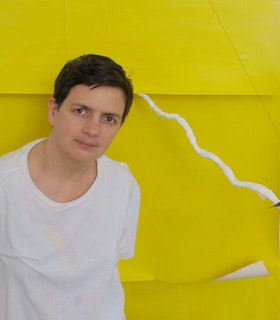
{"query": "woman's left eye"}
(110, 119)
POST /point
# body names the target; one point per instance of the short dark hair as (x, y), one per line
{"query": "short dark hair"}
(96, 71)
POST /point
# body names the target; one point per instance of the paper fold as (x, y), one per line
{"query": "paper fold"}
(257, 269)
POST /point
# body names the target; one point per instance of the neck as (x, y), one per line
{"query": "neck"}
(60, 180)
(62, 165)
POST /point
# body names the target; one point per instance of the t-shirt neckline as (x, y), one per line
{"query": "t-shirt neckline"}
(44, 197)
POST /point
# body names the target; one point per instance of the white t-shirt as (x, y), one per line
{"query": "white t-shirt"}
(58, 261)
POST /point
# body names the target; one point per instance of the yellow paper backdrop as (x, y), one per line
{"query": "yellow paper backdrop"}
(216, 63)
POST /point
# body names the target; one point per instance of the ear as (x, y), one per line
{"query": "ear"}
(52, 110)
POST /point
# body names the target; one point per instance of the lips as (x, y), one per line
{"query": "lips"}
(86, 145)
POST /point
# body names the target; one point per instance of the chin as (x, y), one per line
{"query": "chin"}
(84, 158)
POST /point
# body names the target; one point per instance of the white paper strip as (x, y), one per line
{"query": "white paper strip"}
(260, 189)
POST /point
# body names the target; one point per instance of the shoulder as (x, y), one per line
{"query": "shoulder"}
(118, 171)
(113, 164)
(10, 160)
(13, 159)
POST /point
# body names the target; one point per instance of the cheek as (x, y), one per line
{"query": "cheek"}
(62, 130)
(66, 124)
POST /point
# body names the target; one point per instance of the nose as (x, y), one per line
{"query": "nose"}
(92, 127)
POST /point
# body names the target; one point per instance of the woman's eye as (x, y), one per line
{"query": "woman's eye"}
(80, 111)
(110, 119)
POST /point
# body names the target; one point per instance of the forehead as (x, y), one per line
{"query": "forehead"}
(93, 96)
(82, 88)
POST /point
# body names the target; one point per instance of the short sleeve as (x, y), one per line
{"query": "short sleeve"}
(2, 197)
(2, 208)
(128, 239)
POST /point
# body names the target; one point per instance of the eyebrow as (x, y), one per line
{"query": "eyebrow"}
(81, 105)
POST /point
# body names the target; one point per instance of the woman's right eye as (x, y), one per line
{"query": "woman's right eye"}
(80, 110)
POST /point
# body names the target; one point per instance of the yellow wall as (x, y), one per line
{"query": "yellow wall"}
(216, 63)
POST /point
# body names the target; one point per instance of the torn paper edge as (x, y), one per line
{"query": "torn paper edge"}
(260, 189)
